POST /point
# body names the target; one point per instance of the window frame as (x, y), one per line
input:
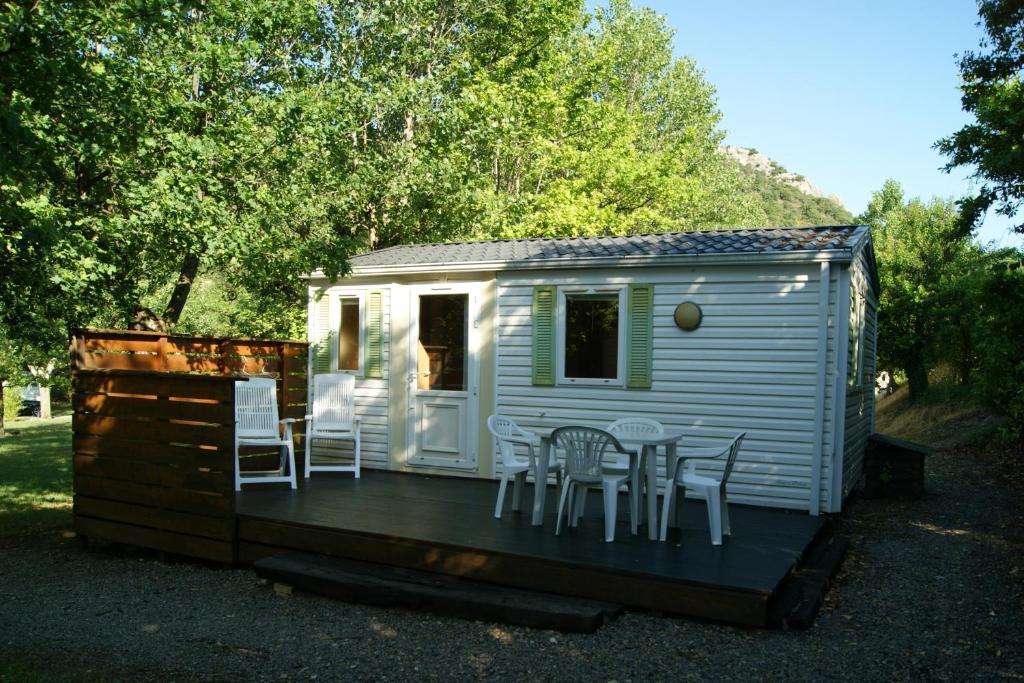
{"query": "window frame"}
(360, 296)
(561, 314)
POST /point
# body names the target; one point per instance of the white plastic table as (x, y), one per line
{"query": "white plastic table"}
(650, 450)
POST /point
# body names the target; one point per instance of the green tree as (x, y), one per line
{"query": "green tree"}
(993, 91)
(999, 316)
(919, 256)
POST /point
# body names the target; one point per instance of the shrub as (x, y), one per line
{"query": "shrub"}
(12, 402)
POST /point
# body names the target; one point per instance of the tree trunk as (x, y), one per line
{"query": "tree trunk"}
(189, 268)
(2, 432)
(44, 403)
(917, 375)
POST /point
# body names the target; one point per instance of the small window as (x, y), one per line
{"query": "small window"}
(348, 334)
(855, 360)
(591, 336)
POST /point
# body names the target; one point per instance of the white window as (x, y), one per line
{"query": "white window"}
(351, 335)
(591, 335)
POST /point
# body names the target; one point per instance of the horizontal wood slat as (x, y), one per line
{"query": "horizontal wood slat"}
(182, 500)
(125, 406)
(169, 454)
(220, 528)
(153, 430)
(193, 387)
(156, 539)
(194, 479)
(176, 362)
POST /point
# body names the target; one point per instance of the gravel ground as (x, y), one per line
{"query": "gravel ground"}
(931, 589)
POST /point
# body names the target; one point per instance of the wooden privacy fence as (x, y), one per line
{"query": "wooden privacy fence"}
(154, 434)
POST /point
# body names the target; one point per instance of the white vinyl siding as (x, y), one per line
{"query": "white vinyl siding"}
(372, 396)
(751, 366)
(860, 394)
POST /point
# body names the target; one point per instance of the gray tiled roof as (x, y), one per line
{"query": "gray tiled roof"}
(756, 241)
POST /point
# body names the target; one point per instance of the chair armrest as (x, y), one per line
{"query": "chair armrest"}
(288, 420)
(708, 453)
(308, 418)
(527, 434)
(355, 422)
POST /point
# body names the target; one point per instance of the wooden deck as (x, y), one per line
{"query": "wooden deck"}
(447, 525)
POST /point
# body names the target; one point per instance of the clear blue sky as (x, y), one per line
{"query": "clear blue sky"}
(846, 93)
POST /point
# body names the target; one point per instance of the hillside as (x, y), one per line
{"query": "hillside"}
(786, 198)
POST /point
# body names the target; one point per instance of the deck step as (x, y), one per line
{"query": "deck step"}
(377, 584)
(797, 603)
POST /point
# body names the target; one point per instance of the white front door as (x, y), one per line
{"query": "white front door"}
(444, 383)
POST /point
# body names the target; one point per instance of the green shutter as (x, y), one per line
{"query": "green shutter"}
(322, 334)
(639, 336)
(375, 334)
(544, 336)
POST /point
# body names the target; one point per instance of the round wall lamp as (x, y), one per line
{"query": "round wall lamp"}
(688, 316)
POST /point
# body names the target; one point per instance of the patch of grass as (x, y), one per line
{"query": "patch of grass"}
(35, 475)
(944, 419)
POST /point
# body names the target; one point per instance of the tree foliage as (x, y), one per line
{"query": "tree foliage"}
(785, 205)
(920, 260)
(147, 142)
(993, 91)
(948, 301)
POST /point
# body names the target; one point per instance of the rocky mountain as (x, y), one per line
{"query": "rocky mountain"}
(787, 198)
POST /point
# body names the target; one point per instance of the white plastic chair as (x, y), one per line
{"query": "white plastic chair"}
(333, 419)
(507, 434)
(257, 424)
(713, 490)
(585, 449)
(627, 429)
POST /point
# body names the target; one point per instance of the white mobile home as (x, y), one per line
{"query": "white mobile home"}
(768, 331)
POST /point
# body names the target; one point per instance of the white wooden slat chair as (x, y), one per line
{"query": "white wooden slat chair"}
(585, 451)
(711, 489)
(623, 430)
(257, 424)
(507, 435)
(333, 418)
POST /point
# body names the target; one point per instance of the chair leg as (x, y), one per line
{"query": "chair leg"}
(291, 465)
(566, 486)
(309, 449)
(634, 515)
(238, 471)
(670, 489)
(726, 529)
(579, 505)
(678, 507)
(670, 475)
(501, 495)
(357, 453)
(635, 496)
(517, 489)
(611, 505)
(714, 515)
